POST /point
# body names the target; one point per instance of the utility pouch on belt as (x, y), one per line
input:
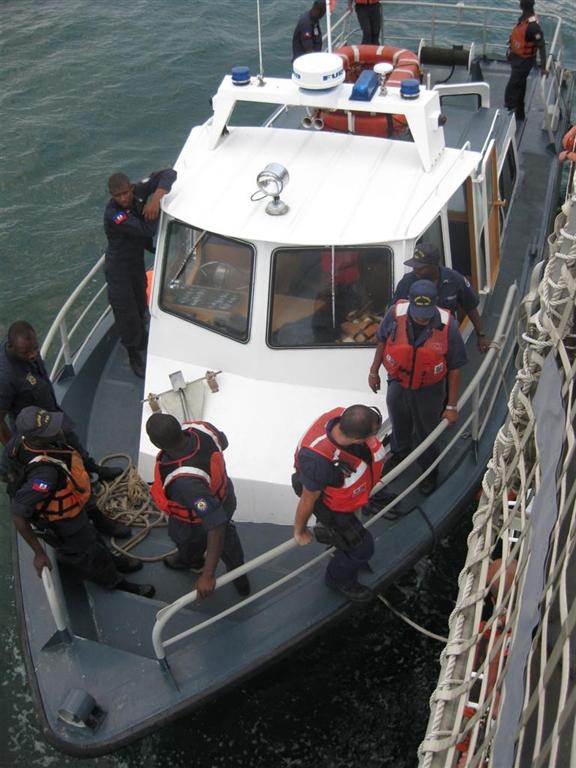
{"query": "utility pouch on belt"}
(344, 538)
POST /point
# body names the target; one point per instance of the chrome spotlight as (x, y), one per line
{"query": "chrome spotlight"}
(271, 181)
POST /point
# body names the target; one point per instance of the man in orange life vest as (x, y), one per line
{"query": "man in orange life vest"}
(338, 461)
(370, 19)
(422, 350)
(526, 40)
(49, 489)
(191, 486)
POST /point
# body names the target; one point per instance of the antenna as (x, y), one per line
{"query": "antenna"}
(261, 74)
(329, 24)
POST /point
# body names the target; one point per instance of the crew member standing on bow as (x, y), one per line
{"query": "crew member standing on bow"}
(454, 290)
(370, 19)
(526, 40)
(307, 37)
(422, 350)
(130, 223)
(338, 461)
(49, 490)
(191, 486)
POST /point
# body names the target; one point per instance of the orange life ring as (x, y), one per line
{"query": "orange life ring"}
(569, 145)
(357, 58)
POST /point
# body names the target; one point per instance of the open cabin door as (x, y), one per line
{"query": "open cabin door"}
(492, 204)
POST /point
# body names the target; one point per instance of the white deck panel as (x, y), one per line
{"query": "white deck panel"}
(343, 189)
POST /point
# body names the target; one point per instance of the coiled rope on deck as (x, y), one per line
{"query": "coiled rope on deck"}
(127, 499)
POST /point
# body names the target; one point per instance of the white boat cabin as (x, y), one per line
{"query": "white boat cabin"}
(285, 307)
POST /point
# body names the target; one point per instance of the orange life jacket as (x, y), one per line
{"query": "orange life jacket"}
(359, 477)
(67, 501)
(518, 43)
(415, 367)
(205, 462)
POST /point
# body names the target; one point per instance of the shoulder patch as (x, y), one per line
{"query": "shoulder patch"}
(41, 485)
(120, 217)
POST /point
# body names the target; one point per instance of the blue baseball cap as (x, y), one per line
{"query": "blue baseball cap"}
(423, 297)
(36, 422)
(425, 255)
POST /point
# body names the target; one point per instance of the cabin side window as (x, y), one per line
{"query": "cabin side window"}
(207, 280)
(506, 182)
(322, 297)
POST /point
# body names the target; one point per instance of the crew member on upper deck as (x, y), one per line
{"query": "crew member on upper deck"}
(422, 350)
(307, 37)
(130, 223)
(454, 290)
(526, 40)
(370, 19)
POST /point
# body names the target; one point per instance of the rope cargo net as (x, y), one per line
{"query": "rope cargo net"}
(506, 693)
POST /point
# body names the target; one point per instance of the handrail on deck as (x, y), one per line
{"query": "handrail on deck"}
(476, 390)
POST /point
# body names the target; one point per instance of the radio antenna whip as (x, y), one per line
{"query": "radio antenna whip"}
(261, 74)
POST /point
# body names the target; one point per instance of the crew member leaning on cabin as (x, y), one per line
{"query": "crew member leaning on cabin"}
(338, 462)
(307, 37)
(454, 290)
(191, 486)
(526, 40)
(369, 15)
(49, 489)
(422, 350)
(24, 381)
(130, 223)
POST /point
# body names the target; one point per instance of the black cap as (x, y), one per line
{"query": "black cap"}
(423, 297)
(425, 255)
(36, 422)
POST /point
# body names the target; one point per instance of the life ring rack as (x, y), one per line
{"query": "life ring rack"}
(356, 58)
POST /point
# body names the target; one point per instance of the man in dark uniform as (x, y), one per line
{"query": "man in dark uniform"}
(422, 349)
(307, 37)
(130, 223)
(338, 461)
(192, 487)
(24, 381)
(370, 19)
(454, 290)
(526, 40)
(49, 492)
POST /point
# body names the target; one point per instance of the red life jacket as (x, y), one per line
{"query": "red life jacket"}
(518, 43)
(415, 367)
(359, 477)
(205, 462)
(69, 499)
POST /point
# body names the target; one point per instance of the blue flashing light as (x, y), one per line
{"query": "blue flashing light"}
(410, 88)
(241, 75)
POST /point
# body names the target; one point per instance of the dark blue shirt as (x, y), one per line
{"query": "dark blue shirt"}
(42, 481)
(23, 383)
(454, 290)
(194, 494)
(456, 356)
(316, 472)
(307, 37)
(128, 232)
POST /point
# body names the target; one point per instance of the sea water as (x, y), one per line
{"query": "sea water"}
(89, 88)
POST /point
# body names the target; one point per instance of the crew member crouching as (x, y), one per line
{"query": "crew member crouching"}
(191, 486)
(338, 462)
(50, 493)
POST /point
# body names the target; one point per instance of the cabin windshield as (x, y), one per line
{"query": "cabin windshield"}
(328, 296)
(207, 279)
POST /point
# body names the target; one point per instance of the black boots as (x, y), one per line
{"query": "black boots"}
(137, 363)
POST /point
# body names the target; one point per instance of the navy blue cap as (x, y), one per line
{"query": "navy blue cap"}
(425, 255)
(423, 297)
(36, 422)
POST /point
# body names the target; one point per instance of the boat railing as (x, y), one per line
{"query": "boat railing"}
(478, 398)
(81, 314)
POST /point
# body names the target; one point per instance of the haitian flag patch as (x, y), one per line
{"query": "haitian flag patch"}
(40, 485)
(120, 217)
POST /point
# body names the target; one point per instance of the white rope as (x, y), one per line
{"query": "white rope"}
(411, 623)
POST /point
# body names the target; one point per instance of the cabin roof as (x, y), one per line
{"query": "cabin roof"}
(343, 189)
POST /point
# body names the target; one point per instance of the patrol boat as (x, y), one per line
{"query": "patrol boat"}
(278, 251)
